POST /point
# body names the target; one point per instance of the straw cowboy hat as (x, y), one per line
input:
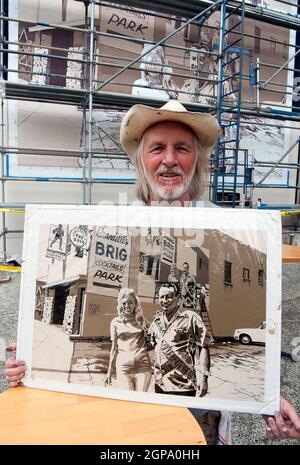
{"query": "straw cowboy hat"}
(140, 117)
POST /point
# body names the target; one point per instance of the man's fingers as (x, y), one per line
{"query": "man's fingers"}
(269, 433)
(280, 424)
(14, 383)
(11, 347)
(273, 427)
(290, 413)
(12, 379)
(293, 433)
(13, 363)
(20, 370)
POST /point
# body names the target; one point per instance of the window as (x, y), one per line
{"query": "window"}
(178, 22)
(227, 272)
(150, 263)
(261, 277)
(246, 274)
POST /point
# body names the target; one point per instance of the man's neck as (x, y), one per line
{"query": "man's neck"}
(171, 313)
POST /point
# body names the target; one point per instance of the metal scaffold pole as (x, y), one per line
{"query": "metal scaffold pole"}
(90, 100)
(3, 6)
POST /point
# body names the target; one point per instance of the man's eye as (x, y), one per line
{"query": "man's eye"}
(156, 149)
(182, 149)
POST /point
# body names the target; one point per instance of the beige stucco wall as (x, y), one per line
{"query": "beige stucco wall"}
(241, 304)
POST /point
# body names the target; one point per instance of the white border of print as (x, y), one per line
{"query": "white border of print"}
(198, 218)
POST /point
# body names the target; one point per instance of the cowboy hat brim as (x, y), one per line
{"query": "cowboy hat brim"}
(140, 117)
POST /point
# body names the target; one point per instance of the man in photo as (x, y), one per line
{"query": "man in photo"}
(58, 236)
(180, 342)
(188, 287)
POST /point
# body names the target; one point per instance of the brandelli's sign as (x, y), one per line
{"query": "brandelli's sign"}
(109, 259)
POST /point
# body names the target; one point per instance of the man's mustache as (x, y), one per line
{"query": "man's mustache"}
(165, 169)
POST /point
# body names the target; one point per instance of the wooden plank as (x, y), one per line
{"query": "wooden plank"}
(34, 416)
(290, 253)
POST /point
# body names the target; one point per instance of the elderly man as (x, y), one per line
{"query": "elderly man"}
(180, 343)
(170, 148)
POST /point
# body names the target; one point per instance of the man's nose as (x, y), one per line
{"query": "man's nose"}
(170, 157)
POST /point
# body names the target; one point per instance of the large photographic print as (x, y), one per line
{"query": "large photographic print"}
(164, 305)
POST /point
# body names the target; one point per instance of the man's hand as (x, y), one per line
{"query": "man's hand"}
(202, 386)
(108, 381)
(14, 369)
(285, 423)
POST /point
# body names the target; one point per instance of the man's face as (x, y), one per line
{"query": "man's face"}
(186, 267)
(169, 160)
(167, 299)
(153, 57)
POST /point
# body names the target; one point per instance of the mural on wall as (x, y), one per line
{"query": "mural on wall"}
(147, 298)
(185, 68)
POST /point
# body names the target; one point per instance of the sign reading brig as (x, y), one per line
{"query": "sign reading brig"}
(109, 259)
(168, 250)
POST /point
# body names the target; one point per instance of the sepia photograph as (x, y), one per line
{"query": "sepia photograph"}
(151, 307)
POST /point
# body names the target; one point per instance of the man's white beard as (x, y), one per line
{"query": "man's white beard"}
(170, 192)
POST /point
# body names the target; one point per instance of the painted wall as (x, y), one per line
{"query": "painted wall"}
(241, 304)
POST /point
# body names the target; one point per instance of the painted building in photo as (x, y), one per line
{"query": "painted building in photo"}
(77, 286)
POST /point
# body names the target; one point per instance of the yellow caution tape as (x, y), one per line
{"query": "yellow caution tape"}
(290, 212)
(11, 210)
(12, 269)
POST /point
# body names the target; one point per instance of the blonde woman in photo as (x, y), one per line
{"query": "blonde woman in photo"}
(129, 352)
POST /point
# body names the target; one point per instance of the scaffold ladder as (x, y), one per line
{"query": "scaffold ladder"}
(226, 161)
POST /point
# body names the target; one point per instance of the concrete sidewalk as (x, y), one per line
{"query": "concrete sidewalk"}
(52, 340)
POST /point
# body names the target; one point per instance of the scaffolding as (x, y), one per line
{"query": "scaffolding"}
(89, 91)
(229, 102)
